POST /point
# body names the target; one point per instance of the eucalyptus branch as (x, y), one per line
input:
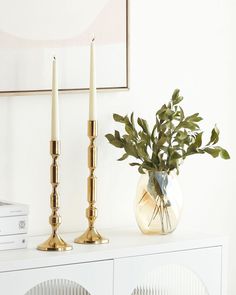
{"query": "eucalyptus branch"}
(173, 138)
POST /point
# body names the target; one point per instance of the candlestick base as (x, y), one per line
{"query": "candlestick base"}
(91, 236)
(54, 243)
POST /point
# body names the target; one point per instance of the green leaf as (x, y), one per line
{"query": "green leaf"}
(132, 118)
(178, 100)
(197, 119)
(148, 166)
(175, 96)
(224, 154)
(177, 116)
(214, 136)
(181, 135)
(164, 148)
(131, 150)
(175, 156)
(198, 140)
(161, 140)
(110, 137)
(117, 134)
(163, 127)
(194, 118)
(142, 152)
(134, 164)
(129, 129)
(188, 125)
(144, 137)
(191, 150)
(114, 141)
(140, 170)
(173, 164)
(118, 118)
(153, 132)
(117, 143)
(162, 109)
(181, 114)
(212, 151)
(158, 124)
(125, 156)
(166, 115)
(143, 124)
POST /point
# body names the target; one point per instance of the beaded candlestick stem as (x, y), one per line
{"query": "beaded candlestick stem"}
(54, 242)
(91, 235)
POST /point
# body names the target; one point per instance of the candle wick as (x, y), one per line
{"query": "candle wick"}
(54, 57)
(93, 39)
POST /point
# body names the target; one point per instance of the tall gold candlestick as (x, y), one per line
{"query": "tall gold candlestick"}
(91, 235)
(54, 242)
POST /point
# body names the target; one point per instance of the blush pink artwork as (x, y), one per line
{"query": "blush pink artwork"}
(30, 36)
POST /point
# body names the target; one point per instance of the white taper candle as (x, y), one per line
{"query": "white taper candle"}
(55, 108)
(93, 92)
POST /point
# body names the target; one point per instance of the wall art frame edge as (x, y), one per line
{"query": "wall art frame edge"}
(84, 90)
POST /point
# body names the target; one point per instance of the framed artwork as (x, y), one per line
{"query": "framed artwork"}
(32, 32)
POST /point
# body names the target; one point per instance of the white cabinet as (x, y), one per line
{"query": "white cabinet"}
(93, 278)
(132, 264)
(189, 272)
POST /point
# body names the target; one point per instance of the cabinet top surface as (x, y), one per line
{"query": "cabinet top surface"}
(123, 243)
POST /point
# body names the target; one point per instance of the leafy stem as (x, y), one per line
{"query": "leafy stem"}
(173, 138)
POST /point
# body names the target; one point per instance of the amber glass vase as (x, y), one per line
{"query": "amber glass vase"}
(158, 203)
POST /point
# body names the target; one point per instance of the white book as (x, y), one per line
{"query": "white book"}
(13, 225)
(13, 242)
(12, 209)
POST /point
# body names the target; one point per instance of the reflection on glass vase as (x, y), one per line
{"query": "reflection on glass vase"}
(158, 203)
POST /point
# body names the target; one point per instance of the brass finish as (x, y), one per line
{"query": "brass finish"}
(91, 235)
(54, 242)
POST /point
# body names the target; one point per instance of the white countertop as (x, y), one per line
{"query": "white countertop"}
(123, 243)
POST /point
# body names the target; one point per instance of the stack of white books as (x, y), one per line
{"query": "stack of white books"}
(13, 225)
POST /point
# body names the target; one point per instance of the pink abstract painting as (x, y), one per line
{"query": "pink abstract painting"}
(32, 32)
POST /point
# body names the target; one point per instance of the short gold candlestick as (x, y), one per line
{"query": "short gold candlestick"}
(91, 235)
(54, 242)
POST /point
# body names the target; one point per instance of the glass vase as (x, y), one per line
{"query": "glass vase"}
(158, 203)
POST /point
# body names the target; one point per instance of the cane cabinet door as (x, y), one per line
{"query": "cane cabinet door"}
(78, 279)
(188, 272)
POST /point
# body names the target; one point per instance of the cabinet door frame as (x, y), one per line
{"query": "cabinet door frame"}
(95, 277)
(206, 263)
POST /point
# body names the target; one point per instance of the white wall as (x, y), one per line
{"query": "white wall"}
(184, 44)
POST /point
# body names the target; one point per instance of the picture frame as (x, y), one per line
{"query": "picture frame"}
(26, 57)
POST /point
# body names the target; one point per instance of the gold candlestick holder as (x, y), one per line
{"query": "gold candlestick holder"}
(54, 242)
(91, 235)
